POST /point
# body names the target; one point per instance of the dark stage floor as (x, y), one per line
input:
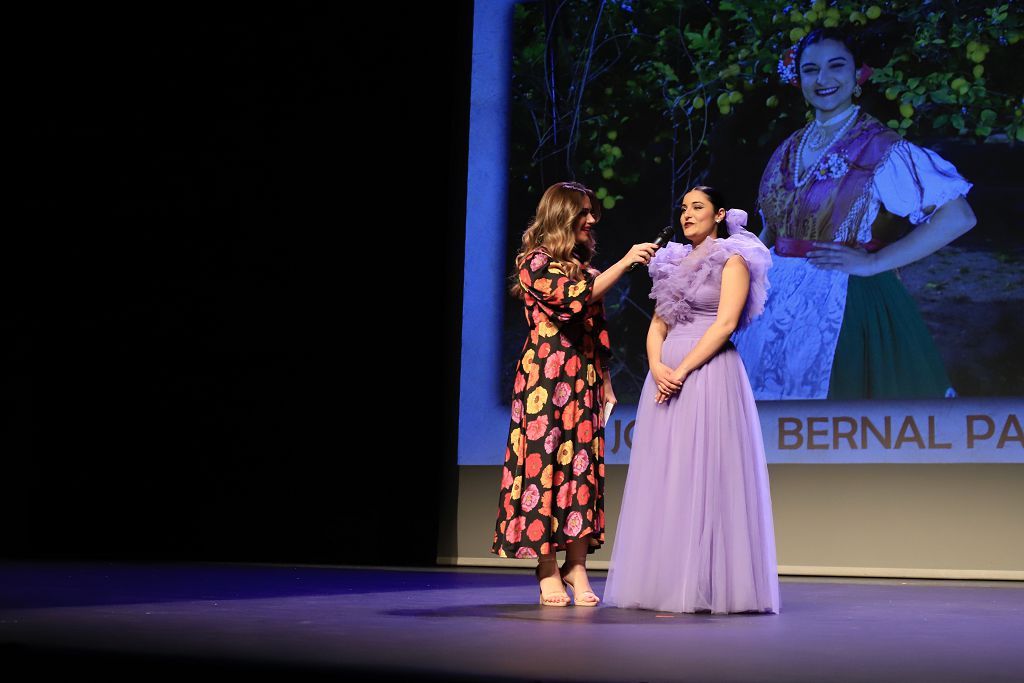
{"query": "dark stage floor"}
(174, 620)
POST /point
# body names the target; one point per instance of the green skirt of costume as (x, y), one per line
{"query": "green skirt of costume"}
(884, 349)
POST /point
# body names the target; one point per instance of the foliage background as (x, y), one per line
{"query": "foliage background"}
(642, 100)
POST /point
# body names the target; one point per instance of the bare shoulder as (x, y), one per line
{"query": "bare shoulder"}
(736, 263)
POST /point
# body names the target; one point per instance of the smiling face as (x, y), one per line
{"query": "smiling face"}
(827, 77)
(698, 216)
(584, 222)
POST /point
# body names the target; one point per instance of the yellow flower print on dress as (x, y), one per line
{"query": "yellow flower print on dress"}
(528, 363)
(565, 453)
(537, 400)
(546, 329)
(591, 375)
(517, 488)
(577, 289)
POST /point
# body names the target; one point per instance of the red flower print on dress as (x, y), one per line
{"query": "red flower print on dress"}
(509, 510)
(579, 386)
(526, 553)
(600, 519)
(533, 464)
(531, 496)
(585, 432)
(544, 351)
(506, 479)
(559, 478)
(514, 531)
(574, 523)
(536, 530)
(552, 440)
(545, 504)
(583, 494)
(553, 365)
(603, 339)
(545, 548)
(542, 285)
(580, 463)
(538, 427)
(564, 495)
(534, 376)
(573, 365)
(571, 415)
(587, 400)
(520, 383)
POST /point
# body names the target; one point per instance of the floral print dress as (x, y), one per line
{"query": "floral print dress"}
(552, 483)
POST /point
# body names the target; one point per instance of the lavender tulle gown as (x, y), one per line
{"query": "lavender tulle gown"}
(695, 529)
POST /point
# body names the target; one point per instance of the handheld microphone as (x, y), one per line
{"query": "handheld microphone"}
(661, 240)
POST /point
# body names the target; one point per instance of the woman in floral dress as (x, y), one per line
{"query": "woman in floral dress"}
(552, 482)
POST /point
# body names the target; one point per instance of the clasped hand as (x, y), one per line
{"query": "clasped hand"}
(668, 381)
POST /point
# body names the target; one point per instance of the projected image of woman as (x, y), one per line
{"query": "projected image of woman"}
(838, 323)
(552, 486)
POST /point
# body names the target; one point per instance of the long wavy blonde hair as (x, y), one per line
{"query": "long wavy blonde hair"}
(553, 228)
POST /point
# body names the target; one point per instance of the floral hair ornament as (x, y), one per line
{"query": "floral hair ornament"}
(788, 74)
(787, 67)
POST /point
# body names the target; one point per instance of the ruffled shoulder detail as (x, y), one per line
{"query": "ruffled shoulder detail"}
(678, 271)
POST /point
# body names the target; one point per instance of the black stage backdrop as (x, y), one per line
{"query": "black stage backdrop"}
(217, 342)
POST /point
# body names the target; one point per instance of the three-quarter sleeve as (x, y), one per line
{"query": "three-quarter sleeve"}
(561, 298)
(914, 182)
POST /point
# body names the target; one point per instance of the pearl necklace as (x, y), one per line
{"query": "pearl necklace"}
(817, 130)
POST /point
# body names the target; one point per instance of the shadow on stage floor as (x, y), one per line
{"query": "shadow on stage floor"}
(167, 621)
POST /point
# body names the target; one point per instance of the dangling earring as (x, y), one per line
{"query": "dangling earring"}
(857, 91)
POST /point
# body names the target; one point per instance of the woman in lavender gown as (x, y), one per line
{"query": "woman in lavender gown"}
(695, 529)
